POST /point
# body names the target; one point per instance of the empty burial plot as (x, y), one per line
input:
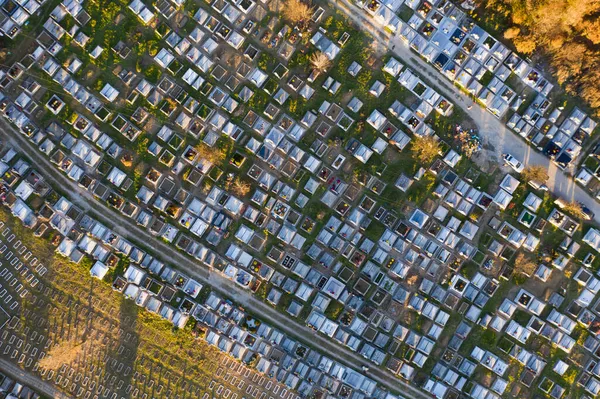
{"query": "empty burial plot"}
(4, 317)
(121, 350)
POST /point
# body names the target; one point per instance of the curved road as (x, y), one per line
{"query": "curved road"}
(497, 138)
(168, 254)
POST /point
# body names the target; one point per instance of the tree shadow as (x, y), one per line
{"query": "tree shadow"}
(31, 320)
(121, 352)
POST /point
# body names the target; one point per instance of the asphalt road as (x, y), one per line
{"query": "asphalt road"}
(497, 139)
(30, 380)
(168, 254)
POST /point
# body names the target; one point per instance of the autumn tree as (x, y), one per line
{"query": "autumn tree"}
(589, 87)
(412, 280)
(211, 154)
(535, 173)
(591, 30)
(238, 187)
(296, 12)
(569, 61)
(425, 149)
(64, 352)
(574, 208)
(525, 45)
(512, 32)
(320, 61)
(524, 265)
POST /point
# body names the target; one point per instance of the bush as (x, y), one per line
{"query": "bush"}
(152, 73)
(266, 61)
(334, 310)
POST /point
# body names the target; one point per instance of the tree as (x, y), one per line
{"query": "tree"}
(238, 187)
(512, 32)
(320, 61)
(574, 208)
(425, 149)
(297, 12)
(588, 87)
(535, 173)
(412, 280)
(525, 45)
(524, 265)
(213, 155)
(569, 61)
(64, 352)
(591, 30)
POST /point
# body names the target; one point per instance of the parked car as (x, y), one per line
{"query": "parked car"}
(588, 214)
(513, 163)
(537, 185)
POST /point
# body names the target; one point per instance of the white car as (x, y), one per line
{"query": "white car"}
(513, 163)
(537, 185)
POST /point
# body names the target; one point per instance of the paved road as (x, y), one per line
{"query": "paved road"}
(496, 137)
(30, 380)
(168, 254)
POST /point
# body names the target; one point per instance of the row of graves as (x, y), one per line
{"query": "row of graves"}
(85, 158)
(148, 281)
(15, 14)
(553, 318)
(466, 54)
(87, 154)
(588, 174)
(429, 240)
(414, 117)
(162, 289)
(305, 271)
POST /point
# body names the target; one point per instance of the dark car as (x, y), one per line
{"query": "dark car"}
(588, 214)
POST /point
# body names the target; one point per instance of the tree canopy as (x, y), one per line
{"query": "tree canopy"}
(536, 173)
(296, 12)
(425, 149)
(320, 61)
(574, 208)
(524, 265)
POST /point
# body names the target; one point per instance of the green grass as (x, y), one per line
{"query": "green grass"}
(375, 230)
(486, 78)
(494, 302)
(479, 336)
(405, 12)
(521, 317)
